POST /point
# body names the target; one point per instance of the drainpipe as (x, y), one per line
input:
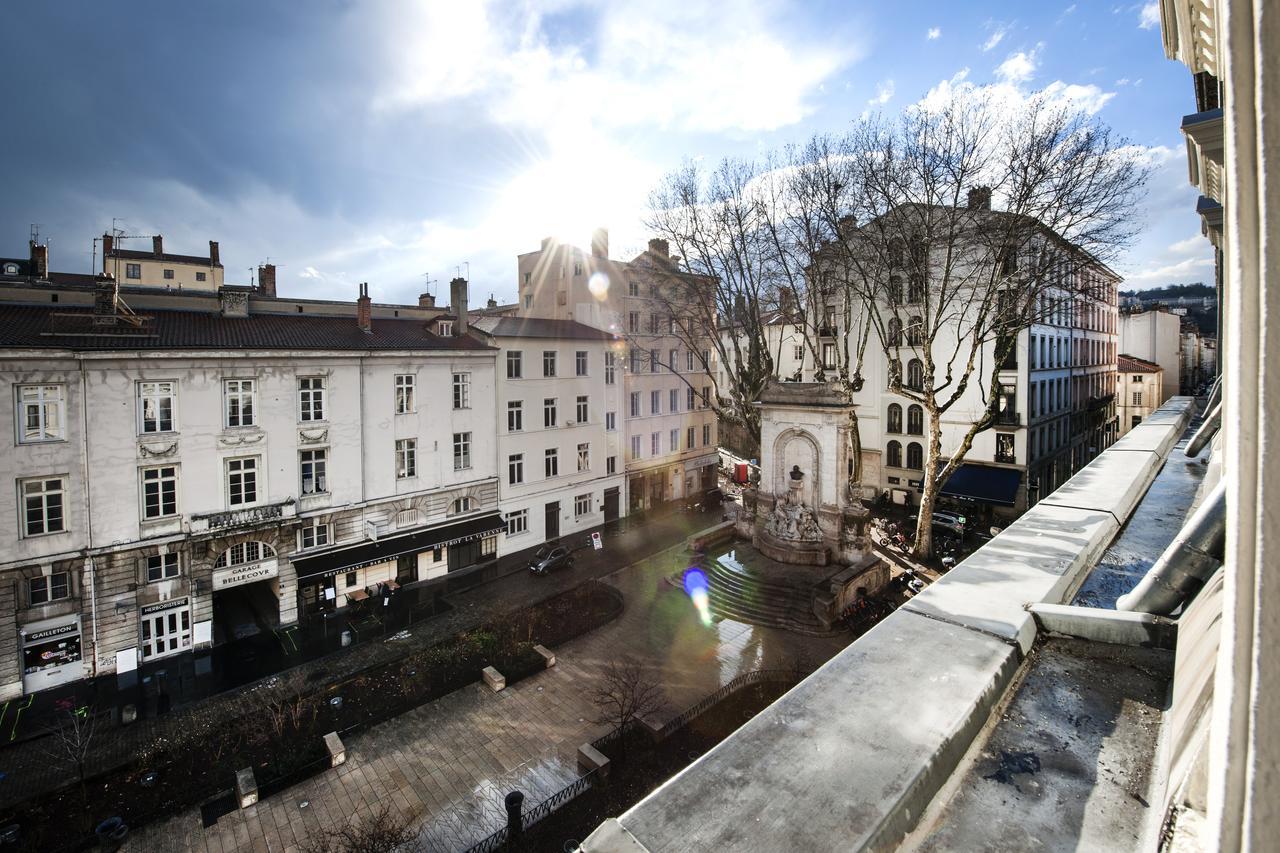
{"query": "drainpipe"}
(88, 510)
(1187, 563)
(1207, 430)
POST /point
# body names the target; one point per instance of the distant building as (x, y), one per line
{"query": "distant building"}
(1155, 336)
(156, 268)
(1140, 390)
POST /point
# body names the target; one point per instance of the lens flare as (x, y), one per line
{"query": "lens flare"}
(695, 586)
(598, 284)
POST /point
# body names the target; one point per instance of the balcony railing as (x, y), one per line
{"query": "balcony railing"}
(243, 517)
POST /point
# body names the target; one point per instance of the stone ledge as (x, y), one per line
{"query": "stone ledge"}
(590, 758)
(548, 656)
(494, 679)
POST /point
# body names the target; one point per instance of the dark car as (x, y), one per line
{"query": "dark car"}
(547, 559)
(710, 499)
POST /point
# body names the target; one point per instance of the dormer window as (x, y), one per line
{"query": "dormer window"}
(444, 327)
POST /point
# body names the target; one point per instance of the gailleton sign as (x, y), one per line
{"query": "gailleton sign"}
(246, 573)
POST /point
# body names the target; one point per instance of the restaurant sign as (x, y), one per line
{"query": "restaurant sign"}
(246, 573)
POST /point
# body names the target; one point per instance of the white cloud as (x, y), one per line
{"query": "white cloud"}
(934, 33)
(1150, 15)
(884, 93)
(1019, 67)
(998, 32)
(1181, 272)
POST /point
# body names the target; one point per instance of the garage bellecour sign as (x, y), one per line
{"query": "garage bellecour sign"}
(245, 573)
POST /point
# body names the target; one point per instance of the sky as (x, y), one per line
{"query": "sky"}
(403, 143)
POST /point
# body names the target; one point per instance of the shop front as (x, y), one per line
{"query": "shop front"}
(51, 653)
(164, 628)
(246, 591)
(703, 472)
(337, 578)
(988, 493)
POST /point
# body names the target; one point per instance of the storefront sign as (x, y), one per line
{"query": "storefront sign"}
(51, 647)
(703, 461)
(163, 605)
(247, 573)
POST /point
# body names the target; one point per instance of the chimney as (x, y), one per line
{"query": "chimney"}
(214, 261)
(267, 279)
(600, 243)
(108, 246)
(364, 309)
(980, 198)
(458, 304)
(846, 225)
(426, 300)
(157, 245)
(39, 260)
(660, 247)
(106, 294)
(492, 303)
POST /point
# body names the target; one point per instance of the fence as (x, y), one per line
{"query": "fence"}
(537, 813)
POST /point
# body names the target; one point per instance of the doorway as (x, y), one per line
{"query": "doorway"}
(552, 523)
(611, 504)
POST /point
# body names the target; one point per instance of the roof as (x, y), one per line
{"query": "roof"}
(537, 327)
(1133, 364)
(29, 326)
(135, 255)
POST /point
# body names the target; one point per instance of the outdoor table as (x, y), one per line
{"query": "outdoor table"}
(358, 595)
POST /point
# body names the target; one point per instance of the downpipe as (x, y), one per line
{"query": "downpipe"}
(1208, 429)
(1189, 561)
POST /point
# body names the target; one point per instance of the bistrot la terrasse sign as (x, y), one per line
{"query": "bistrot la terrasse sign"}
(246, 573)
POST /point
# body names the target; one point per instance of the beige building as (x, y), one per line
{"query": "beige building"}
(156, 268)
(1139, 388)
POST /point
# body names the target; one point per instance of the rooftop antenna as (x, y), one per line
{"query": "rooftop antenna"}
(428, 281)
(35, 232)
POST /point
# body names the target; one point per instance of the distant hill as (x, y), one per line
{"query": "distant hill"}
(1172, 291)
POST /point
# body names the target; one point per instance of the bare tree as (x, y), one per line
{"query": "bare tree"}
(382, 831)
(71, 740)
(625, 694)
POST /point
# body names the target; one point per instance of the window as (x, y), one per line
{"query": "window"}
(690, 438)
(635, 404)
(633, 289)
(549, 412)
(655, 402)
(609, 369)
(200, 276)
(653, 444)
(635, 447)
(1137, 377)
(634, 355)
(312, 464)
(1137, 398)
(706, 435)
(915, 375)
(915, 288)
(611, 465)
(581, 505)
(915, 420)
(515, 468)
(461, 450)
(405, 383)
(444, 327)
(690, 398)
(41, 506)
(706, 396)
(633, 319)
(47, 588)
(242, 481)
(915, 456)
(244, 552)
(915, 331)
(580, 363)
(610, 421)
(162, 567)
(156, 403)
(517, 522)
(515, 415)
(315, 533)
(460, 505)
(673, 360)
(551, 463)
(168, 275)
(893, 423)
(894, 455)
(828, 356)
(706, 359)
(799, 352)
(654, 361)
(239, 394)
(580, 410)
(462, 390)
(688, 361)
(133, 270)
(311, 398)
(673, 400)
(515, 364)
(1004, 447)
(549, 363)
(406, 458)
(675, 440)
(653, 324)
(159, 492)
(351, 578)
(1135, 420)
(584, 457)
(41, 410)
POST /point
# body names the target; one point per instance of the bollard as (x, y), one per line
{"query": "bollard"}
(515, 822)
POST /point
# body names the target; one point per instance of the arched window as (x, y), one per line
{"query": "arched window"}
(895, 455)
(895, 332)
(915, 456)
(915, 291)
(459, 506)
(915, 420)
(894, 293)
(895, 371)
(915, 375)
(915, 331)
(897, 253)
(244, 552)
(895, 418)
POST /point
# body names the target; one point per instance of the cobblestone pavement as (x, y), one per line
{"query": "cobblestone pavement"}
(447, 764)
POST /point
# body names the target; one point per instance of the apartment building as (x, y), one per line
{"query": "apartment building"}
(187, 468)
(670, 441)
(559, 437)
(1139, 392)
(1155, 336)
(159, 269)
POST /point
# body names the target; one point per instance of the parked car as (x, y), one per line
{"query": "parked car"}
(945, 522)
(547, 559)
(710, 499)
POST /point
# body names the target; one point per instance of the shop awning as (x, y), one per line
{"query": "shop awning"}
(983, 484)
(315, 568)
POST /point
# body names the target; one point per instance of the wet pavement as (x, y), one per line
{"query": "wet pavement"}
(1166, 506)
(446, 765)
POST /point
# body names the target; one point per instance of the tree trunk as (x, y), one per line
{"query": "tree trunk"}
(855, 446)
(929, 488)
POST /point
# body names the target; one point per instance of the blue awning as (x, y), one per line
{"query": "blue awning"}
(983, 484)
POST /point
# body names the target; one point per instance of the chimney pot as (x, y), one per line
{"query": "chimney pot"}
(600, 243)
(157, 245)
(660, 247)
(364, 309)
(492, 303)
(426, 300)
(980, 198)
(267, 279)
(214, 260)
(458, 304)
(39, 260)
